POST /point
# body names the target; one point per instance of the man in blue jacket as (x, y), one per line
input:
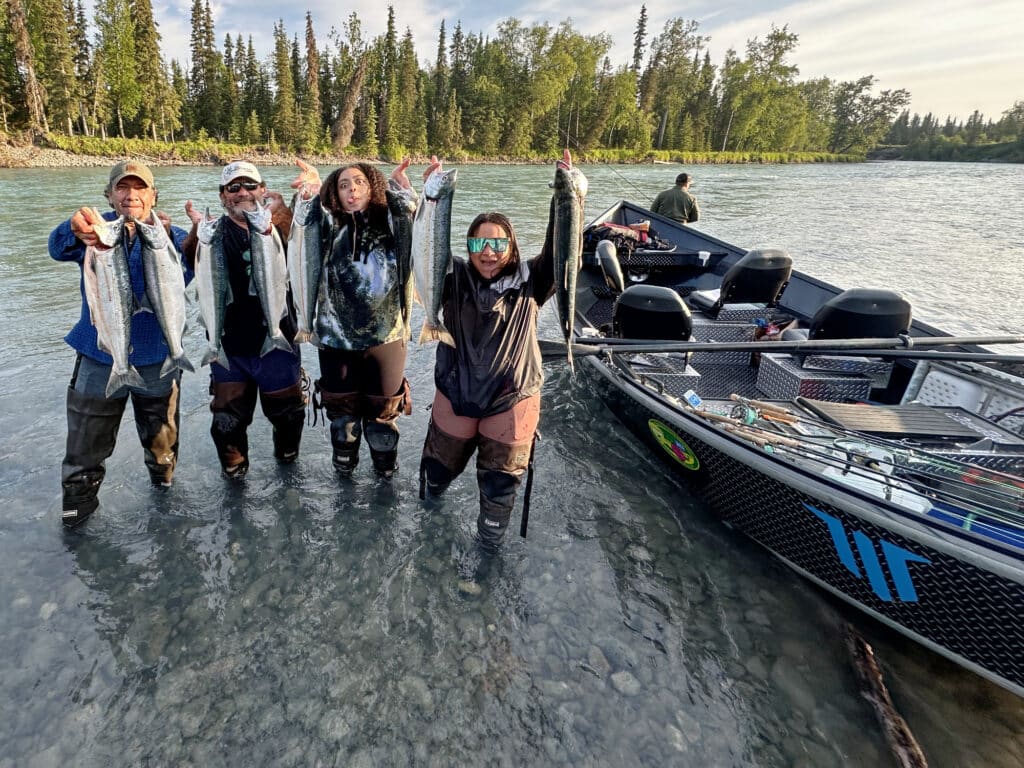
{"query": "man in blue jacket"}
(93, 417)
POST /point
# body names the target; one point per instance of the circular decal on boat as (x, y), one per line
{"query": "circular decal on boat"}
(673, 444)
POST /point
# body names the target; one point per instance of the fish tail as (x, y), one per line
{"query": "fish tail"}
(214, 356)
(302, 337)
(129, 378)
(181, 361)
(275, 342)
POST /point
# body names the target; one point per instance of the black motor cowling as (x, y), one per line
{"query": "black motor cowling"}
(651, 312)
(862, 313)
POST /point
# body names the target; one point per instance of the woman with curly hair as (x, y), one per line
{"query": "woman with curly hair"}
(362, 313)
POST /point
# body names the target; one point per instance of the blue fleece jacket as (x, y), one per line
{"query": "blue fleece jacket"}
(148, 344)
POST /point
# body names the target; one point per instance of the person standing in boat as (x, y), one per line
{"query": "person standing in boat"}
(488, 385)
(276, 375)
(94, 415)
(677, 203)
(362, 313)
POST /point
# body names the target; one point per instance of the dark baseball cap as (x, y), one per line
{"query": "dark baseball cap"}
(127, 168)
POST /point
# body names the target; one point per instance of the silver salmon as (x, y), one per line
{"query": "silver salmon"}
(567, 242)
(305, 263)
(108, 293)
(270, 276)
(432, 251)
(212, 286)
(403, 208)
(165, 289)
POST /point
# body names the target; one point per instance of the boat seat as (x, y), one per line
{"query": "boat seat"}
(754, 282)
(651, 312)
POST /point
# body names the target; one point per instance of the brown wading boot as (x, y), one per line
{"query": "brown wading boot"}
(92, 434)
(157, 420)
(499, 470)
(444, 459)
(285, 409)
(233, 405)
(380, 423)
(343, 410)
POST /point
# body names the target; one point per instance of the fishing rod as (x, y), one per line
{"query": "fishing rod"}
(804, 345)
(813, 451)
(956, 469)
(579, 147)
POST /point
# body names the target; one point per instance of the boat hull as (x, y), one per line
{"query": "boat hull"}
(942, 588)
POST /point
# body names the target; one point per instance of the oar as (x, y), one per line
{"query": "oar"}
(558, 349)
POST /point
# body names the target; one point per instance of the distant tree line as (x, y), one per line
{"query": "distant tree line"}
(975, 139)
(527, 91)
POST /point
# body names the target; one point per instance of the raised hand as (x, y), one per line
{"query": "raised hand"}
(566, 161)
(308, 180)
(435, 165)
(398, 175)
(195, 216)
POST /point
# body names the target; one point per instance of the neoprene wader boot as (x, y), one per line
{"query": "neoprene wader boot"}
(232, 406)
(346, 428)
(157, 420)
(499, 470)
(380, 423)
(285, 409)
(92, 434)
(444, 459)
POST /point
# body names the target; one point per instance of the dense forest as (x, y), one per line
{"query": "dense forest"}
(525, 92)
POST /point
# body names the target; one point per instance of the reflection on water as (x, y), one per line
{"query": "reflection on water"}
(300, 620)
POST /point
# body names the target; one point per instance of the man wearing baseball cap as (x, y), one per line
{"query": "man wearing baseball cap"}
(94, 416)
(677, 203)
(242, 363)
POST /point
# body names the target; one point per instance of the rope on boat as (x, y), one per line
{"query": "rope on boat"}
(900, 738)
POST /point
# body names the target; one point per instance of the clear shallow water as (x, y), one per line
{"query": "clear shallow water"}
(299, 620)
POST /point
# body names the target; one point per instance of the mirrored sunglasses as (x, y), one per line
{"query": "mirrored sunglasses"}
(477, 244)
(235, 186)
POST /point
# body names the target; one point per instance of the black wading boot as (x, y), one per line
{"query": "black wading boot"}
(92, 433)
(499, 469)
(285, 409)
(343, 410)
(157, 420)
(232, 406)
(380, 423)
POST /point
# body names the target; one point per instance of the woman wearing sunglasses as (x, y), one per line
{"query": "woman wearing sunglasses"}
(488, 385)
(362, 313)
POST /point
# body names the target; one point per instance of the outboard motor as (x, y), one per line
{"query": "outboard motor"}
(862, 313)
(608, 258)
(651, 312)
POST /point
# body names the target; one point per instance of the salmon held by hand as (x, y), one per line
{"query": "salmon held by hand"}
(432, 253)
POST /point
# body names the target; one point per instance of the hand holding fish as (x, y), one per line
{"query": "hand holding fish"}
(274, 201)
(399, 176)
(308, 180)
(435, 165)
(83, 223)
(566, 161)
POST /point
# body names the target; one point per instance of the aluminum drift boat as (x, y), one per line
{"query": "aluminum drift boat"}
(891, 476)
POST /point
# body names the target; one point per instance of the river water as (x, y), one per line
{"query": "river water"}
(301, 620)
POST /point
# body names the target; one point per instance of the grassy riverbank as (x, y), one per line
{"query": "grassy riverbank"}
(58, 151)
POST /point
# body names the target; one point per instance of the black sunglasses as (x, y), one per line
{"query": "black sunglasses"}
(235, 186)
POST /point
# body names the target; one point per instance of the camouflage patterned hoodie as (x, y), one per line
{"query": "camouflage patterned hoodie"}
(366, 283)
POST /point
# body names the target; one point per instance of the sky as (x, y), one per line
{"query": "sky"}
(953, 57)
